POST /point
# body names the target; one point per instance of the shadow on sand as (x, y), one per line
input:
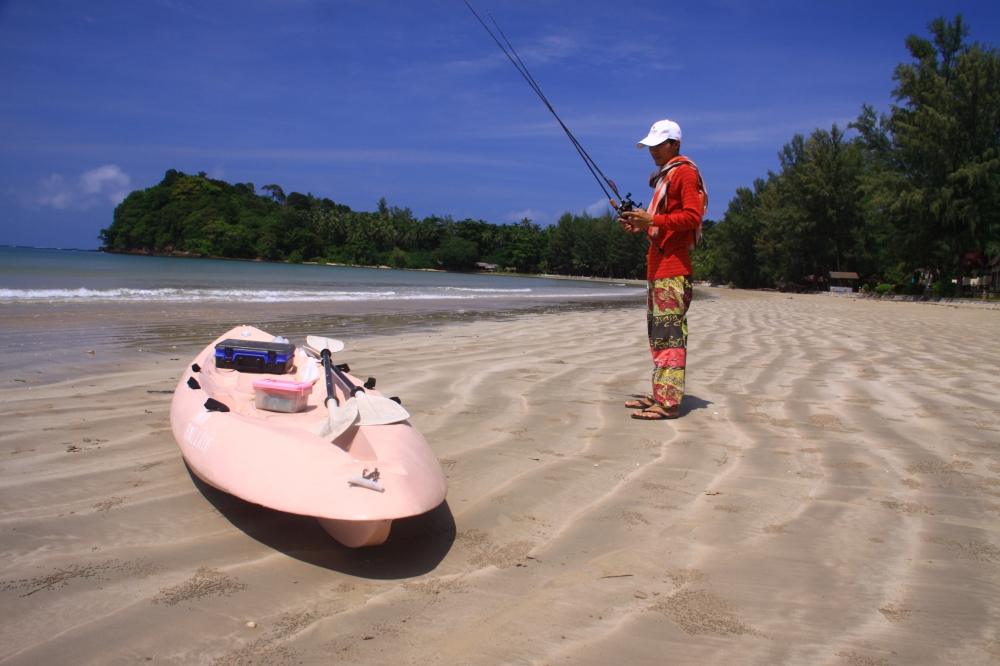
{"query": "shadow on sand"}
(691, 403)
(415, 546)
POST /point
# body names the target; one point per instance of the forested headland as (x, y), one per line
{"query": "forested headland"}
(912, 191)
(196, 215)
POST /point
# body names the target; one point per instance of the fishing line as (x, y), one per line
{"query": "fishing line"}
(522, 69)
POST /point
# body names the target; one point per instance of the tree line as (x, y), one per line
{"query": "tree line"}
(197, 215)
(912, 192)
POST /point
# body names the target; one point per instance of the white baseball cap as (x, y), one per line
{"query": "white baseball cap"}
(662, 130)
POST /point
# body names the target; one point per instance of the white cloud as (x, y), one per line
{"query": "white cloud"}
(104, 184)
(351, 156)
(545, 218)
(108, 181)
(549, 48)
(598, 208)
(536, 216)
(54, 193)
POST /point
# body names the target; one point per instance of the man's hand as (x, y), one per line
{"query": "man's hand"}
(635, 221)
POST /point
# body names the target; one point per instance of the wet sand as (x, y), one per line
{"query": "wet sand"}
(830, 496)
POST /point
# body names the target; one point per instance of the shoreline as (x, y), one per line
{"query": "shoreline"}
(82, 333)
(950, 301)
(184, 255)
(85, 334)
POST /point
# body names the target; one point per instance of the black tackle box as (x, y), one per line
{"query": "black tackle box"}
(252, 356)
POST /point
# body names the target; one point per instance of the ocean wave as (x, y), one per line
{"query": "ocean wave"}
(124, 295)
(489, 290)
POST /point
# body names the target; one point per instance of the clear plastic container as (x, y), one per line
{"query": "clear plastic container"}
(281, 395)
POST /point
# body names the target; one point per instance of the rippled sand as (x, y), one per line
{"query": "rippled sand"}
(830, 496)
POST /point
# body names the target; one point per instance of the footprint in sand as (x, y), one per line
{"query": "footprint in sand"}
(63, 576)
(206, 582)
(486, 553)
(701, 613)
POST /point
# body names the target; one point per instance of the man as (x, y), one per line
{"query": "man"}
(673, 224)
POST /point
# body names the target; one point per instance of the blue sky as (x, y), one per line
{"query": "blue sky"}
(412, 101)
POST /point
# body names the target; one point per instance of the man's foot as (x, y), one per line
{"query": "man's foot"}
(640, 402)
(657, 413)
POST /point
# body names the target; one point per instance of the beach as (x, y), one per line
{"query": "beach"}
(831, 494)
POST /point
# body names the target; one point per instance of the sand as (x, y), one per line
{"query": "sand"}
(830, 496)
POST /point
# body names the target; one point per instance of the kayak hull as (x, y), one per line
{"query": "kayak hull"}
(281, 461)
(357, 533)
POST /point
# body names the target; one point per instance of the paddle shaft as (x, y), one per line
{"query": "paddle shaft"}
(327, 367)
(354, 389)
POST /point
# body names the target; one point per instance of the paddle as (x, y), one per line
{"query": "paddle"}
(372, 409)
(340, 417)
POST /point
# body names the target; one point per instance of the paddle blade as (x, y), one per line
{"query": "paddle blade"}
(339, 419)
(376, 410)
(320, 343)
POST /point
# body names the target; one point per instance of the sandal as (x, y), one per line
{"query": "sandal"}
(641, 402)
(657, 413)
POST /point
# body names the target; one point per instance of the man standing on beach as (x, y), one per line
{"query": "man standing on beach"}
(673, 225)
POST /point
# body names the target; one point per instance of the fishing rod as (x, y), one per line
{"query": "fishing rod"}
(623, 204)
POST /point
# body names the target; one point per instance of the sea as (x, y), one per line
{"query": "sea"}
(32, 275)
(87, 306)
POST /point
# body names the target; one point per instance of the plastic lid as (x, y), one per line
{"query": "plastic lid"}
(286, 385)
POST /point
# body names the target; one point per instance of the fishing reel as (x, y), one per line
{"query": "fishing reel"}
(627, 204)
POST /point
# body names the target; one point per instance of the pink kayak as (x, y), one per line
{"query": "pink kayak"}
(356, 480)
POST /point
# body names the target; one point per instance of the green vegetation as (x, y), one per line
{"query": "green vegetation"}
(197, 215)
(918, 188)
(912, 197)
